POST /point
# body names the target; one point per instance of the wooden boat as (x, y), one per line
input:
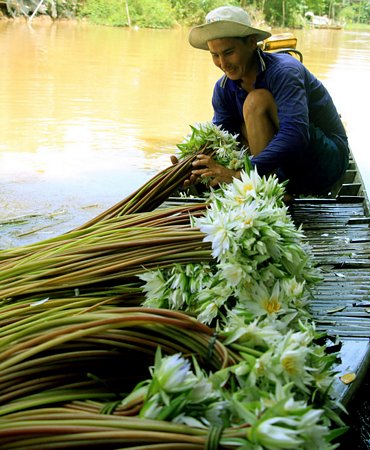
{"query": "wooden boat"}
(337, 227)
(279, 41)
(321, 22)
(282, 43)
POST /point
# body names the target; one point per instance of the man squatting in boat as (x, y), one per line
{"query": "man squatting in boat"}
(281, 111)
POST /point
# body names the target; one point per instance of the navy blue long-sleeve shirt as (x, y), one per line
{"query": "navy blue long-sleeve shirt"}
(301, 99)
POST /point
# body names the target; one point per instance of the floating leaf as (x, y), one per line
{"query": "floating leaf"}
(348, 378)
(334, 310)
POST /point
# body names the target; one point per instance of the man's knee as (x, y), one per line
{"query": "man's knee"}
(259, 100)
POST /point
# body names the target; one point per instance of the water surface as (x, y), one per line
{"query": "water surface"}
(89, 113)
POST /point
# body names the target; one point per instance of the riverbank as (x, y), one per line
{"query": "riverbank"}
(46, 19)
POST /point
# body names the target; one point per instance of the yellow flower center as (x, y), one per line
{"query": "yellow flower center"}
(272, 305)
(248, 187)
(248, 221)
(260, 368)
(289, 365)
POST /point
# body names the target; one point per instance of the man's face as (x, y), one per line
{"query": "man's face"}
(233, 56)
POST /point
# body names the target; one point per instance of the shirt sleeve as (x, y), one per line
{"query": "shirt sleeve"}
(288, 86)
(227, 111)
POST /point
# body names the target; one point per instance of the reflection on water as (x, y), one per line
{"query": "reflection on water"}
(89, 113)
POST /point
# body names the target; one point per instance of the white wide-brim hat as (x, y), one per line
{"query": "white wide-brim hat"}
(223, 22)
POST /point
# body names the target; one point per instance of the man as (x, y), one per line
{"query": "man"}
(280, 110)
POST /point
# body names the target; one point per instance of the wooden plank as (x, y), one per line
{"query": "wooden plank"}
(359, 220)
(350, 176)
(339, 235)
(355, 357)
(349, 189)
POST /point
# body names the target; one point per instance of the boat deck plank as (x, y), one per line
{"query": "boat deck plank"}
(338, 233)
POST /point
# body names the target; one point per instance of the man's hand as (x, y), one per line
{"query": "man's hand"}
(174, 159)
(206, 166)
(187, 183)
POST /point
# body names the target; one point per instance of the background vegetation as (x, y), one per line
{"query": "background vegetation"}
(169, 13)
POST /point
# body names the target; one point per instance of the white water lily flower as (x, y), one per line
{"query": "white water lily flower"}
(263, 301)
(263, 366)
(199, 276)
(279, 433)
(202, 390)
(235, 163)
(310, 422)
(293, 361)
(208, 313)
(281, 422)
(292, 405)
(302, 338)
(292, 287)
(178, 279)
(245, 188)
(155, 282)
(173, 374)
(247, 214)
(277, 367)
(314, 433)
(220, 232)
(209, 301)
(233, 272)
(152, 408)
(252, 334)
(177, 299)
(218, 413)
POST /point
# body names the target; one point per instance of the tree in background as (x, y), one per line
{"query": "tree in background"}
(168, 13)
(355, 11)
(192, 12)
(285, 13)
(141, 13)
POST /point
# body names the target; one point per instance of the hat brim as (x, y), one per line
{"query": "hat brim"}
(201, 34)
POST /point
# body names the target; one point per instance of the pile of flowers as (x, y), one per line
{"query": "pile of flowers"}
(217, 294)
(256, 294)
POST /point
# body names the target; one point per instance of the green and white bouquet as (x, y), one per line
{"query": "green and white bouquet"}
(261, 263)
(255, 293)
(209, 138)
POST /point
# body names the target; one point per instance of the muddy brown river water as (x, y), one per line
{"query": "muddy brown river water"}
(89, 113)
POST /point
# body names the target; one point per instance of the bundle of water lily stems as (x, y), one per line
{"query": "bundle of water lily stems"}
(104, 256)
(77, 349)
(63, 367)
(68, 333)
